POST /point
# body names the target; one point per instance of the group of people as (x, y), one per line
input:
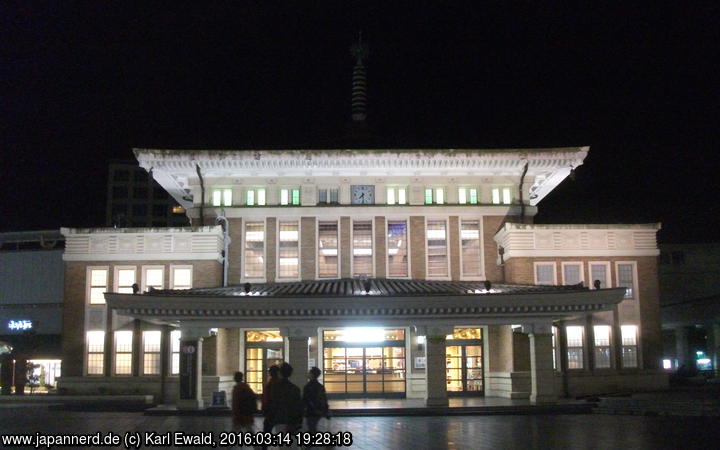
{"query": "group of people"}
(283, 406)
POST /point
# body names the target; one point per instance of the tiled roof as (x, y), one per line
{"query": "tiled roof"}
(348, 287)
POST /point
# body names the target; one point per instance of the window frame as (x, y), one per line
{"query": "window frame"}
(116, 276)
(172, 352)
(352, 245)
(224, 192)
(636, 346)
(328, 195)
(447, 249)
(635, 288)
(396, 194)
(88, 352)
(501, 195)
(290, 194)
(116, 353)
(608, 274)
(143, 352)
(537, 264)
(336, 221)
(405, 219)
(173, 267)
(143, 277)
(255, 191)
(463, 276)
(278, 222)
(89, 285)
(243, 261)
(564, 264)
(435, 190)
(468, 190)
(597, 347)
(583, 340)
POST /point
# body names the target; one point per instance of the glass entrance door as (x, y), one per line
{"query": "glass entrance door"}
(464, 362)
(257, 362)
(364, 371)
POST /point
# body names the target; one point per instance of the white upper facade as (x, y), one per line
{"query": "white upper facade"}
(312, 171)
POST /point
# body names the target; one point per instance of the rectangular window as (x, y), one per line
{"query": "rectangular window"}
(175, 352)
(327, 196)
(626, 278)
(629, 346)
(397, 248)
(501, 196)
(602, 346)
(439, 196)
(575, 347)
(151, 352)
(97, 286)
(255, 197)
(95, 352)
(289, 250)
(436, 196)
(328, 249)
(289, 196)
(391, 196)
(467, 195)
(181, 277)
(124, 280)
(362, 248)
(152, 277)
(471, 249)
(334, 195)
(545, 273)
(428, 196)
(254, 250)
(222, 197)
(396, 195)
(437, 248)
(554, 347)
(600, 271)
(322, 195)
(123, 352)
(572, 273)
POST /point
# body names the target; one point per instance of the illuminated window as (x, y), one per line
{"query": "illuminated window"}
(434, 196)
(602, 346)
(501, 196)
(600, 271)
(124, 279)
(97, 286)
(288, 250)
(572, 273)
(254, 250)
(471, 249)
(629, 346)
(362, 248)
(545, 273)
(667, 364)
(396, 195)
(123, 352)
(437, 255)
(289, 196)
(554, 346)
(95, 352)
(177, 209)
(181, 277)
(151, 352)
(255, 197)
(397, 248)
(222, 197)
(626, 278)
(328, 249)
(575, 347)
(153, 277)
(175, 352)
(467, 195)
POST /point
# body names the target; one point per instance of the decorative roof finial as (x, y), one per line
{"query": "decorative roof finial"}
(359, 81)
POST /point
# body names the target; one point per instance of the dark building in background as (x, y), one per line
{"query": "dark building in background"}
(690, 305)
(134, 199)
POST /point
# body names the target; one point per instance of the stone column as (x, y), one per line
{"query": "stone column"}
(191, 368)
(542, 377)
(298, 339)
(435, 364)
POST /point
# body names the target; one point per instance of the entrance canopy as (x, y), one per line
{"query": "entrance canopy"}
(347, 302)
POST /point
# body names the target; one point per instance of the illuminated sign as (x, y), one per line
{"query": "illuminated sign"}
(20, 324)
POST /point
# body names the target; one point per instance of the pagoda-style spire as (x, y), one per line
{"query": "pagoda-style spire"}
(359, 81)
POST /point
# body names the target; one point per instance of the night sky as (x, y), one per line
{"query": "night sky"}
(83, 85)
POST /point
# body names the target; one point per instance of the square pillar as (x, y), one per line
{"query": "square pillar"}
(542, 376)
(191, 368)
(298, 342)
(435, 364)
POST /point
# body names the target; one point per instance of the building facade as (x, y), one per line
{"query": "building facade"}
(399, 273)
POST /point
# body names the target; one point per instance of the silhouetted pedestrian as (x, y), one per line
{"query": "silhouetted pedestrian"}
(285, 410)
(244, 404)
(314, 401)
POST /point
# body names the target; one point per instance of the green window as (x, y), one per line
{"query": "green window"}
(473, 197)
(428, 196)
(296, 196)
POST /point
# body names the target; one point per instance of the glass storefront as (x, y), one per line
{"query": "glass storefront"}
(262, 350)
(464, 362)
(364, 362)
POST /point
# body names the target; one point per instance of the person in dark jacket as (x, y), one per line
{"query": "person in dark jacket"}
(273, 372)
(244, 404)
(285, 410)
(314, 400)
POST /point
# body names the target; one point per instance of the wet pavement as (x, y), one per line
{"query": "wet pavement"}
(461, 432)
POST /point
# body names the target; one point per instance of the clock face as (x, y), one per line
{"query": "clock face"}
(363, 195)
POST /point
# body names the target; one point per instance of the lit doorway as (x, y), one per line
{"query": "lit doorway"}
(262, 350)
(464, 362)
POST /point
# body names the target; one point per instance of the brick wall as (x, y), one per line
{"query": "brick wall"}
(345, 247)
(308, 248)
(235, 251)
(454, 243)
(491, 225)
(417, 246)
(380, 247)
(271, 248)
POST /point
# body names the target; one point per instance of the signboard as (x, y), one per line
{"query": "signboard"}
(188, 370)
(419, 362)
(20, 325)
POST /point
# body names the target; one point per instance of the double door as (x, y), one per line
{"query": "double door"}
(258, 359)
(464, 370)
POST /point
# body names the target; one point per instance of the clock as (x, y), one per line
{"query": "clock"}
(363, 194)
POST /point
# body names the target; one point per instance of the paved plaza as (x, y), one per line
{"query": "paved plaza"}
(461, 432)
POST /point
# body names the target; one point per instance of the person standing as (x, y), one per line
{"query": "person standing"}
(244, 404)
(267, 422)
(285, 410)
(314, 401)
